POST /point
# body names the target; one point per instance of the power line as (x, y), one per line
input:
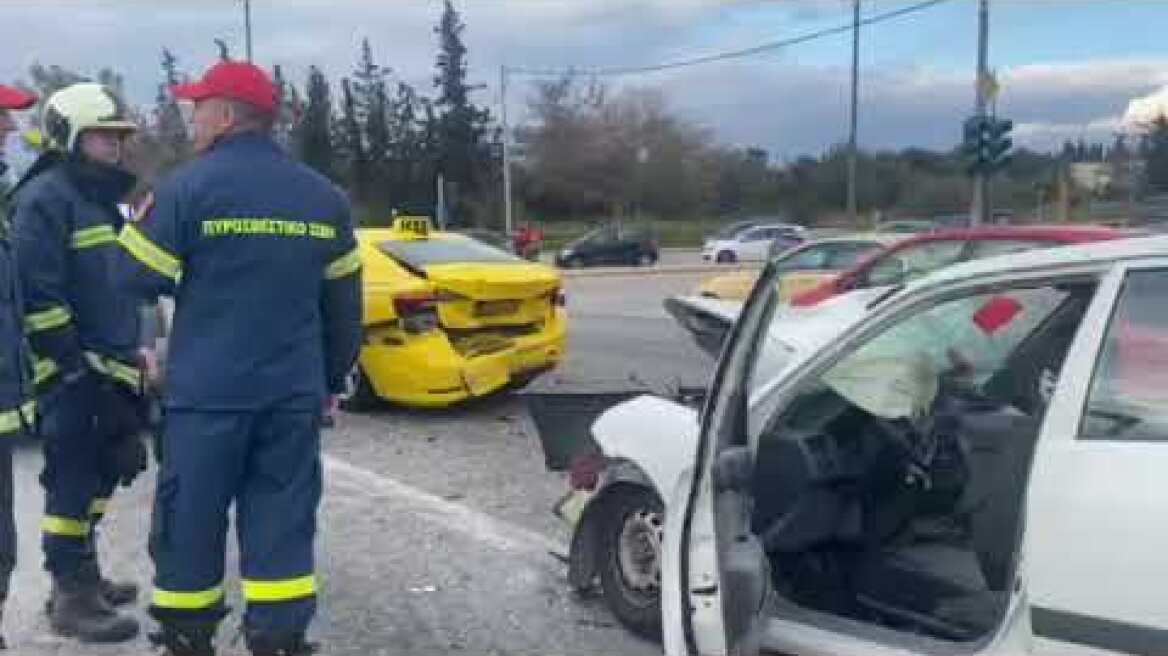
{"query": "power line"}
(733, 54)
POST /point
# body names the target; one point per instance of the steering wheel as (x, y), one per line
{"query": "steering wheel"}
(917, 448)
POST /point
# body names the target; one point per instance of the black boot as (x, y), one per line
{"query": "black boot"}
(119, 593)
(186, 638)
(78, 610)
(267, 644)
(115, 593)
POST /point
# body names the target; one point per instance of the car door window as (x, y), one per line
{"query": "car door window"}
(811, 258)
(846, 255)
(915, 261)
(1129, 391)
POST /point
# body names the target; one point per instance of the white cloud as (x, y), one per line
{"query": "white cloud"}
(1142, 111)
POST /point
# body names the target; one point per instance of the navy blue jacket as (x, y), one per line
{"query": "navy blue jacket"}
(15, 364)
(259, 252)
(65, 226)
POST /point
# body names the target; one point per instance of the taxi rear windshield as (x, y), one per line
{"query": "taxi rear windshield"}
(422, 253)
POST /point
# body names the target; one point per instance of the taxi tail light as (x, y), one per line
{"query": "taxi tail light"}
(584, 471)
(418, 311)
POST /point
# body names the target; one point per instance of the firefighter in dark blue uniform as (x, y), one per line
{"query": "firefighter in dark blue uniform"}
(260, 255)
(84, 333)
(16, 404)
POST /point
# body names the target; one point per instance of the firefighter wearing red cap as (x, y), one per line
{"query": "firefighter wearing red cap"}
(16, 406)
(260, 254)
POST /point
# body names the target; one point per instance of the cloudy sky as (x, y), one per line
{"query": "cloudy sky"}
(1068, 67)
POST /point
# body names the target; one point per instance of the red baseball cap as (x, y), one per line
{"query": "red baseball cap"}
(13, 98)
(234, 80)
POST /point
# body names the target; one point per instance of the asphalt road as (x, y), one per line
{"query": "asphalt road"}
(436, 533)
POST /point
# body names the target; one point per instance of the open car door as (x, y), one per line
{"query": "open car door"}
(712, 601)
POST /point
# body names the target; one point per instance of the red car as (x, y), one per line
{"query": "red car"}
(928, 252)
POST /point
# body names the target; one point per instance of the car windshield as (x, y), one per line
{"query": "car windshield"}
(420, 253)
(732, 230)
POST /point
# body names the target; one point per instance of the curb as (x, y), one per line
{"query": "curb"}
(677, 269)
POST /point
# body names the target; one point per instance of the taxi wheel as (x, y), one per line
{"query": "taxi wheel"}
(630, 561)
(358, 395)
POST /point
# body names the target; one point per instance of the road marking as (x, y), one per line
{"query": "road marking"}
(484, 528)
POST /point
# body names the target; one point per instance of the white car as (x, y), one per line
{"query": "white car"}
(974, 462)
(752, 244)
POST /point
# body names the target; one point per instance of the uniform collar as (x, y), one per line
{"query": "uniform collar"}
(247, 140)
(101, 183)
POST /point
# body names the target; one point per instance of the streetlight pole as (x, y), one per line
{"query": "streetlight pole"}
(506, 148)
(979, 210)
(852, 146)
(247, 27)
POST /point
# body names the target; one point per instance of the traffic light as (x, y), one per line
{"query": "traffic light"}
(986, 143)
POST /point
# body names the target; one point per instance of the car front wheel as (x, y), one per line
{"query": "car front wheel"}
(726, 257)
(630, 568)
(358, 395)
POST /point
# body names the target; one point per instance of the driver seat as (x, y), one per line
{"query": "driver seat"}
(958, 588)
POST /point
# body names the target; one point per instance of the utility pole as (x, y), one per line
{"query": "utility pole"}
(852, 146)
(247, 27)
(979, 210)
(506, 148)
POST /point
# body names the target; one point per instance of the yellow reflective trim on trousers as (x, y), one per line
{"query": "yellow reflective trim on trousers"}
(148, 253)
(64, 526)
(197, 600)
(347, 264)
(42, 370)
(98, 506)
(11, 420)
(93, 236)
(280, 589)
(119, 371)
(54, 317)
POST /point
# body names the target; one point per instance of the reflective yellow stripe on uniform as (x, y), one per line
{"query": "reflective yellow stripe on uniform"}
(64, 526)
(54, 317)
(119, 371)
(148, 253)
(196, 600)
(14, 419)
(279, 589)
(98, 506)
(344, 265)
(42, 370)
(93, 236)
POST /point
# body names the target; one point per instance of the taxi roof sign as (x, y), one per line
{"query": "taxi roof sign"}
(417, 227)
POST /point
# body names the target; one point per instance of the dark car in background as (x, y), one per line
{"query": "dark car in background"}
(611, 244)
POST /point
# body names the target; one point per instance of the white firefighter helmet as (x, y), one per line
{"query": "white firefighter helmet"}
(81, 107)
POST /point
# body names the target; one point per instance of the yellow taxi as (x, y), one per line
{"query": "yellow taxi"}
(448, 318)
(803, 267)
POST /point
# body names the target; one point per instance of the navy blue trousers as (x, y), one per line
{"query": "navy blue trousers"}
(268, 464)
(77, 489)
